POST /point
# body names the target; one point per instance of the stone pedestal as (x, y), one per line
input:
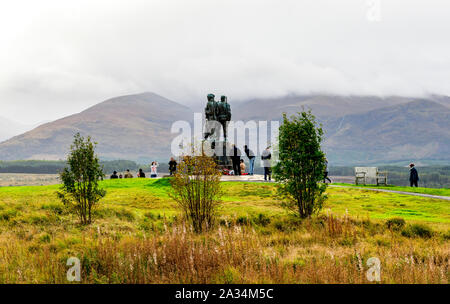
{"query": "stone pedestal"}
(221, 151)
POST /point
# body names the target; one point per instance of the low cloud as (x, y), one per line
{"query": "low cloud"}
(59, 57)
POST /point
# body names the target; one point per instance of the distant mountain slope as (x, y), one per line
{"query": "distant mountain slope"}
(366, 129)
(323, 106)
(416, 130)
(127, 127)
(359, 129)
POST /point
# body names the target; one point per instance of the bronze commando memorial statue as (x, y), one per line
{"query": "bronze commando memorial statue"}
(218, 115)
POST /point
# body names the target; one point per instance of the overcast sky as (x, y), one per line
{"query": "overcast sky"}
(60, 57)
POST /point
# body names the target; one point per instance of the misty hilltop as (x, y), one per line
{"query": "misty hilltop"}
(358, 129)
(126, 127)
(369, 129)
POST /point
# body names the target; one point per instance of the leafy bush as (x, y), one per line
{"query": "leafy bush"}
(301, 164)
(197, 190)
(80, 191)
(418, 230)
(396, 223)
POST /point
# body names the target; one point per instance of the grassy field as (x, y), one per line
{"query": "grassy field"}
(139, 237)
(432, 191)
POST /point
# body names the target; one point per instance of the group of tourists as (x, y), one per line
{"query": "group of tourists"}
(239, 166)
(140, 174)
(126, 175)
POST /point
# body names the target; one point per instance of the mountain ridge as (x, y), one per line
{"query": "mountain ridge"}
(359, 129)
(416, 130)
(118, 124)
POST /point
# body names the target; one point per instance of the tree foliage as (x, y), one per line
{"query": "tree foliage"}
(80, 190)
(197, 190)
(301, 164)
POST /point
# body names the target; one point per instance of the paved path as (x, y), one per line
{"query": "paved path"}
(260, 178)
(243, 178)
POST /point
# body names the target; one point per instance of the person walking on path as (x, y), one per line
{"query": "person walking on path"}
(172, 166)
(236, 159)
(251, 159)
(266, 162)
(154, 170)
(413, 176)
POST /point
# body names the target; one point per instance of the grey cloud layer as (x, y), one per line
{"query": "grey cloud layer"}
(59, 57)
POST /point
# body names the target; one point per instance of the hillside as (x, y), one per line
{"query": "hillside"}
(364, 129)
(131, 127)
(418, 130)
(323, 106)
(358, 129)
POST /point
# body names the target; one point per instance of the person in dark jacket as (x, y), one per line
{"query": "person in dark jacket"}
(251, 159)
(413, 176)
(141, 173)
(236, 159)
(114, 175)
(172, 166)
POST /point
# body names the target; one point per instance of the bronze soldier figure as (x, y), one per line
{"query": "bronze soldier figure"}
(210, 115)
(224, 115)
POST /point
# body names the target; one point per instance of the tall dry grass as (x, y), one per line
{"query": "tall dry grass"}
(324, 250)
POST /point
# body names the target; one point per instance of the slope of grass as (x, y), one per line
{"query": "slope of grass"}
(431, 191)
(138, 236)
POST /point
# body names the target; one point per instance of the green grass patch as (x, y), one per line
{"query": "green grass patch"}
(132, 200)
(431, 191)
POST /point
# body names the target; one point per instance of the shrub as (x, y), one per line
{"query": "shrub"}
(197, 190)
(418, 230)
(395, 223)
(80, 191)
(301, 164)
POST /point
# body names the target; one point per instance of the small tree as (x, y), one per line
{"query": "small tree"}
(80, 191)
(196, 189)
(301, 164)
